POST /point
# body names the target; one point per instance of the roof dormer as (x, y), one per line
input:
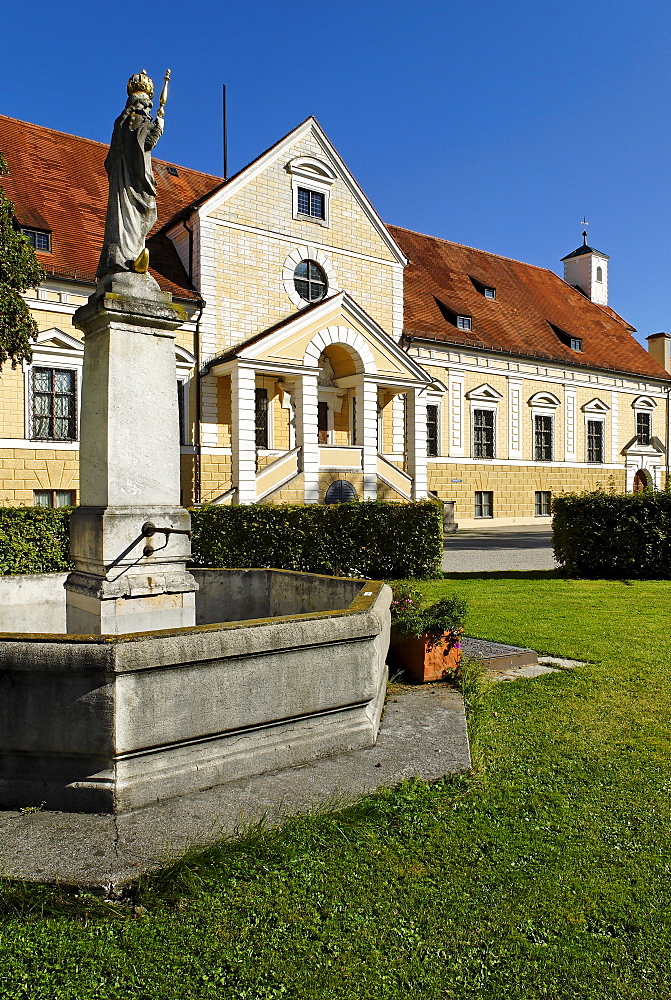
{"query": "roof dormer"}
(587, 270)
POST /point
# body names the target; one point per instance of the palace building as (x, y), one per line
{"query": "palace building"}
(328, 355)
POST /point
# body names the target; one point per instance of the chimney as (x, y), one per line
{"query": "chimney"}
(659, 346)
(587, 269)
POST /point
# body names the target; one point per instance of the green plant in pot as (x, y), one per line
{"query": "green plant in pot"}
(425, 639)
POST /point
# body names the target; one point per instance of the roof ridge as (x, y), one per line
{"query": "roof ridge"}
(105, 145)
(465, 246)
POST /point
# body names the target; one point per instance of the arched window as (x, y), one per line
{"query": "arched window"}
(599, 274)
(310, 281)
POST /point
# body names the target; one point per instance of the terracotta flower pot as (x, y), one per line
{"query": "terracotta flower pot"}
(421, 660)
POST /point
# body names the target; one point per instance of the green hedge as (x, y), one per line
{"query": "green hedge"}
(374, 539)
(34, 540)
(622, 536)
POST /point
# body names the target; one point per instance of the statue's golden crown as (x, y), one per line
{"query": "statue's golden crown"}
(140, 83)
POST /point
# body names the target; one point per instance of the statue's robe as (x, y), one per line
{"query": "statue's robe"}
(131, 206)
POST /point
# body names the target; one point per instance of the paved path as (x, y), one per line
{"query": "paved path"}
(423, 734)
(498, 550)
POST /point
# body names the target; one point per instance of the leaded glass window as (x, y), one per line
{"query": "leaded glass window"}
(310, 281)
(483, 434)
(595, 441)
(643, 428)
(54, 404)
(543, 438)
(261, 417)
(432, 430)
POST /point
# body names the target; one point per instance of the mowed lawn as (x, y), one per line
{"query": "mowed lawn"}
(545, 873)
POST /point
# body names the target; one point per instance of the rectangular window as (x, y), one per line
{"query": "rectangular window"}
(464, 322)
(490, 293)
(643, 428)
(38, 239)
(354, 440)
(576, 344)
(323, 422)
(483, 434)
(595, 441)
(484, 503)
(432, 430)
(542, 438)
(54, 498)
(261, 417)
(181, 412)
(542, 503)
(54, 404)
(311, 203)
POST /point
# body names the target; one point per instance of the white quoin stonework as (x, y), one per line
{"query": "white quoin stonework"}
(123, 580)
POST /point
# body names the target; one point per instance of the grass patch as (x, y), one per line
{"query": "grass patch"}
(544, 874)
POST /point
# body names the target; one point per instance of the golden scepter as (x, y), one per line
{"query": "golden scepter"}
(164, 95)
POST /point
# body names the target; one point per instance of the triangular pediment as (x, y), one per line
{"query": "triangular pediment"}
(337, 322)
(59, 340)
(321, 160)
(484, 394)
(595, 406)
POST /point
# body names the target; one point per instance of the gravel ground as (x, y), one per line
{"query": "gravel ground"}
(491, 550)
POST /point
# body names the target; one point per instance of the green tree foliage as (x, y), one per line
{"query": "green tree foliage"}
(19, 271)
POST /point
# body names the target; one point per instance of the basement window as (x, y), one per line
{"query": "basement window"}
(39, 239)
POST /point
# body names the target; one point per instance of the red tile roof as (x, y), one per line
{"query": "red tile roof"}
(58, 182)
(532, 309)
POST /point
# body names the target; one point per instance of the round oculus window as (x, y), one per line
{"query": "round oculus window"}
(310, 281)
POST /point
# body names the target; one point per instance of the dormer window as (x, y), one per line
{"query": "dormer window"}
(576, 344)
(464, 322)
(490, 293)
(39, 239)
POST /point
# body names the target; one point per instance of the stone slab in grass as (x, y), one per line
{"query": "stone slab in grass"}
(423, 734)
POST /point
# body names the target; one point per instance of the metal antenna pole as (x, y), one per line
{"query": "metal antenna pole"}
(225, 124)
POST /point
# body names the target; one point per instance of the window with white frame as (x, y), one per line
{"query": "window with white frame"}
(484, 404)
(595, 441)
(54, 404)
(311, 181)
(643, 409)
(543, 406)
(261, 417)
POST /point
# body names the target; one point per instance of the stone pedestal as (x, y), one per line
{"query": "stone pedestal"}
(129, 467)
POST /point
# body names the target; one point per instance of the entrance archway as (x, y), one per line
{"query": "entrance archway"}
(641, 481)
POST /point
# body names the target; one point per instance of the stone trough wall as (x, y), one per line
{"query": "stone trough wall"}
(112, 723)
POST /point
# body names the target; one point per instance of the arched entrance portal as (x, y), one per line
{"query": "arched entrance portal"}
(641, 481)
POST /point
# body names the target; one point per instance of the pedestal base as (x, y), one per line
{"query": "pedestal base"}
(123, 581)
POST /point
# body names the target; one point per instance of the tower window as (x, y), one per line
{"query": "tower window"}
(599, 274)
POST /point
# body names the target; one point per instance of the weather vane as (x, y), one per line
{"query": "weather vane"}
(584, 223)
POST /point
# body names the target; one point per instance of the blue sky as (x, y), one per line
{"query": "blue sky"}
(497, 124)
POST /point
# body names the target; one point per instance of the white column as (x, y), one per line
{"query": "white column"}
(456, 387)
(416, 434)
(243, 433)
(398, 423)
(570, 426)
(615, 456)
(515, 430)
(366, 431)
(305, 405)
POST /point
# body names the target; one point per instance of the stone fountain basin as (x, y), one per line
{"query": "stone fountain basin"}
(280, 669)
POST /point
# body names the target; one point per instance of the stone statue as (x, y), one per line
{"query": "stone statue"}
(131, 205)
